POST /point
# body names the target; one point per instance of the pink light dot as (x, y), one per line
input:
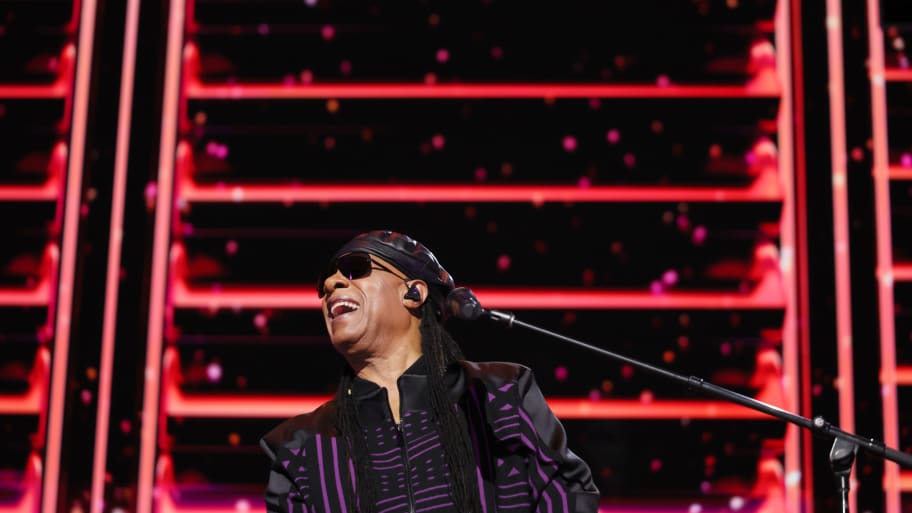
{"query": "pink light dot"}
(613, 136)
(594, 395)
(683, 223)
(260, 320)
(430, 78)
(569, 143)
(584, 182)
(595, 103)
(699, 235)
(242, 506)
(750, 158)
(328, 32)
(656, 287)
(231, 247)
(497, 52)
(670, 277)
(630, 159)
(151, 190)
(725, 349)
(443, 55)
(329, 143)
(187, 230)
(705, 487)
(906, 160)
(561, 373)
(345, 67)
(438, 141)
(126, 426)
(481, 174)
(307, 76)
(655, 465)
(310, 3)
(503, 263)
(627, 371)
(262, 29)
(646, 397)
(214, 372)
(85, 396)
(663, 81)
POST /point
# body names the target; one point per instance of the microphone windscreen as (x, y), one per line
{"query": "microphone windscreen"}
(463, 304)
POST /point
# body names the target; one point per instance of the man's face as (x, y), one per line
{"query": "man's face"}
(363, 314)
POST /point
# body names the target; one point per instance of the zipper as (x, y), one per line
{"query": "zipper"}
(405, 463)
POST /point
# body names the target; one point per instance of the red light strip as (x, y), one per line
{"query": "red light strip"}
(902, 272)
(115, 246)
(199, 91)
(37, 296)
(887, 320)
(34, 92)
(798, 484)
(903, 376)
(766, 295)
(897, 74)
(843, 268)
(163, 216)
(64, 296)
(905, 481)
(763, 190)
(60, 88)
(900, 173)
(28, 501)
(34, 401)
(50, 189)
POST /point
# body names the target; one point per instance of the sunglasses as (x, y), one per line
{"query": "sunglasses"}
(353, 266)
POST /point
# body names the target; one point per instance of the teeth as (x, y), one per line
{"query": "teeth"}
(343, 306)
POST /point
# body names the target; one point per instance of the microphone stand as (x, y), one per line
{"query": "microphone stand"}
(845, 444)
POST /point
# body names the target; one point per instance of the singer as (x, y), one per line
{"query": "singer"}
(413, 426)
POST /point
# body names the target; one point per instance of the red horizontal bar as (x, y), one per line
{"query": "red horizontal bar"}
(31, 484)
(897, 75)
(39, 295)
(201, 91)
(905, 481)
(902, 271)
(903, 375)
(766, 295)
(760, 191)
(33, 401)
(32, 92)
(178, 404)
(248, 505)
(900, 173)
(47, 191)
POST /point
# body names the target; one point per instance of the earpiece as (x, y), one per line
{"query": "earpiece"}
(413, 293)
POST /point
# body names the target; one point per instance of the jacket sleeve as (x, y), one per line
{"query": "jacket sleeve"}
(282, 495)
(563, 480)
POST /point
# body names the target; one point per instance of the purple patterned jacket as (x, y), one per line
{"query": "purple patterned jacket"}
(524, 464)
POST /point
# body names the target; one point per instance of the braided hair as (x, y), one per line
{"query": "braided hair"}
(440, 350)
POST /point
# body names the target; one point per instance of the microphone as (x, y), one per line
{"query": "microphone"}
(462, 304)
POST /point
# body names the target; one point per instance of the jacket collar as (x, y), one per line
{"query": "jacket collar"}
(373, 402)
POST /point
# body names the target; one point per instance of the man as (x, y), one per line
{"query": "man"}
(413, 427)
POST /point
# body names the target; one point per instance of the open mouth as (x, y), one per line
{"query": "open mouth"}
(342, 307)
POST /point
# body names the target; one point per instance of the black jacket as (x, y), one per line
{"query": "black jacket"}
(520, 446)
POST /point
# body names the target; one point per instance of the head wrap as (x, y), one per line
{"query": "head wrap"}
(406, 254)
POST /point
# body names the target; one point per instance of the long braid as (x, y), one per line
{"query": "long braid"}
(355, 447)
(441, 350)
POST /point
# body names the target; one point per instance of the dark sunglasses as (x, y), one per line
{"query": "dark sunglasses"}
(353, 266)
